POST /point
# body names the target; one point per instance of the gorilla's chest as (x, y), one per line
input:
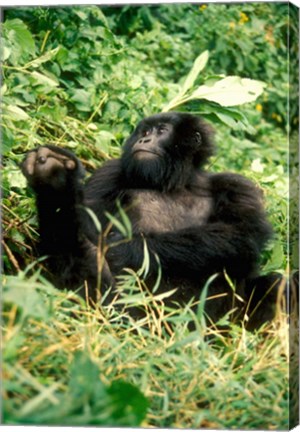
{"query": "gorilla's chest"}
(157, 212)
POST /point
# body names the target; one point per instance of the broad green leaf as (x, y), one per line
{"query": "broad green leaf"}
(16, 178)
(230, 91)
(19, 34)
(212, 79)
(82, 99)
(257, 165)
(129, 405)
(25, 295)
(44, 80)
(81, 14)
(103, 139)
(227, 119)
(4, 53)
(276, 260)
(230, 116)
(44, 58)
(136, 82)
(102, 17)
(84, 374)
(15, 113)
(8, 139)
(198, 66)
(231, 120)
(3, 90)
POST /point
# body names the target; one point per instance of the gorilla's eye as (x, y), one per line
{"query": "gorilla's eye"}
(146, 132)
(161, 128)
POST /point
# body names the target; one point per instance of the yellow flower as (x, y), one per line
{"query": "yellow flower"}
(276, 117)
(232, 25)
(243, 18)
(269, 37)
(259, 107)
(203, 7)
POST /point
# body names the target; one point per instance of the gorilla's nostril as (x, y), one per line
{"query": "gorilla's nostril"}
(41, 159)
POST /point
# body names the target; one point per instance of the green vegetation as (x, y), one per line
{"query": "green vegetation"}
(82, 77)
(190, 379)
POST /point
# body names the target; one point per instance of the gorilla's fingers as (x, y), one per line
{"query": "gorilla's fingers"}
(29, 163)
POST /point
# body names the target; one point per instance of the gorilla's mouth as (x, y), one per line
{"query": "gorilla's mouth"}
(143, 153)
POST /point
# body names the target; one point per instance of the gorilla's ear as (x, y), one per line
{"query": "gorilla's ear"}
(202, 140)
(198, 138)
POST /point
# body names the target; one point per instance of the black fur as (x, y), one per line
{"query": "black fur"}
(197, 223)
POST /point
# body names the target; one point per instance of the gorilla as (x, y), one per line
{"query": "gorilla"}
(192, 223)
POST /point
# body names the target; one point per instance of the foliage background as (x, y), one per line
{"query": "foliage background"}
(82, 77)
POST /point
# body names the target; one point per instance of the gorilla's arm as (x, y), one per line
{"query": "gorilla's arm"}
(202, 250)
(56, 176)
(232, 238)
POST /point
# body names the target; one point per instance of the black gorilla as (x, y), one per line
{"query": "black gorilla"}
(195, 224)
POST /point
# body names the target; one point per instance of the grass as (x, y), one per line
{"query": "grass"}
(57, 347)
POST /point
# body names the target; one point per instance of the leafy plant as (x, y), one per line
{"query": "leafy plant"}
(223, 91)
(82, 77)
(85, 401)
(250, 39)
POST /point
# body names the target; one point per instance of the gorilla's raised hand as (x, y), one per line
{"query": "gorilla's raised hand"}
(52, 166)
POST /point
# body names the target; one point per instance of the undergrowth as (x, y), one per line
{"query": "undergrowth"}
(68, 363)
(81, 78)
